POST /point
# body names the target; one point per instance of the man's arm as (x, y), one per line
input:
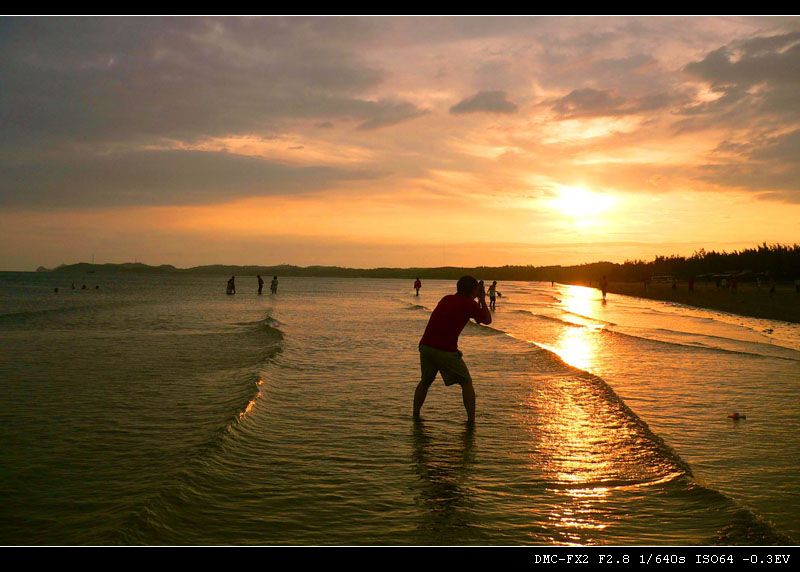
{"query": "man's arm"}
(484, 315)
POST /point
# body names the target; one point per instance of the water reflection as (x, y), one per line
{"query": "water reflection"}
(579, 347)
(443, 468)
(579, 300)
(579, 458)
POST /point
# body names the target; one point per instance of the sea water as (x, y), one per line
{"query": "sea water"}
(158, 410)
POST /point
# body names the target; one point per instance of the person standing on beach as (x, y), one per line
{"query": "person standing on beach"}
(273, 286)
(438, 348)
(231, 288)
(417, 285)
(604, 286)
(493, 296)
(260, 284)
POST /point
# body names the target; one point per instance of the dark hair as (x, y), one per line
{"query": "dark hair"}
(466, 284)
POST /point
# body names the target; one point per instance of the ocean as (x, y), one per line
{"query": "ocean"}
(158, 410)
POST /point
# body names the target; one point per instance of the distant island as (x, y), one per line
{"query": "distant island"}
(762, 263)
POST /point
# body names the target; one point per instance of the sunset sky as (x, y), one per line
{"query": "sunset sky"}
(395, 141)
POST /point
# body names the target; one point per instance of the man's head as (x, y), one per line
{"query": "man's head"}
(274, 277)
(467, 286)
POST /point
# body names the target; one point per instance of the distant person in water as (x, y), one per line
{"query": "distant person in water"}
(604, 286)
(273, 286)
(481, 289)
(231, 288)
(417, 285)
(73, 285)
(493, 296)
(260, 284)
(83, 287)
(438, 348)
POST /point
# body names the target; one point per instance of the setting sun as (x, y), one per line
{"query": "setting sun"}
(579, 203)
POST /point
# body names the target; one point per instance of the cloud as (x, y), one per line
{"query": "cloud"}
(772, 59)
(590, 102)
(107, 79)
(771, 163)
(388, 113)
(485, 102)
(158, 178)
(757, 78)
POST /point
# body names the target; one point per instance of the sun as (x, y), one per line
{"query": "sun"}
(578, 203)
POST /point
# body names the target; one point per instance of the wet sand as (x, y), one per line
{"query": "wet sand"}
(747, 299)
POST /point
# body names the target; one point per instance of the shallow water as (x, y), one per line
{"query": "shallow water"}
(157, 410)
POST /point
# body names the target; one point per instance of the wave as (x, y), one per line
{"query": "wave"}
(18, 317)
(598, 320)
(269, 326)
(746, 528)
(701, 346)
(771, 343)
(144, 517)
(552, 319)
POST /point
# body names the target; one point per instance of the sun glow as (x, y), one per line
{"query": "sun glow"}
(578, 203)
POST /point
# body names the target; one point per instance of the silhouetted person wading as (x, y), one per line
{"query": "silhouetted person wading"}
(438, 348)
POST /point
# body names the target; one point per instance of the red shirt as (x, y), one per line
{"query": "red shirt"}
(448, 319)
(417, 284)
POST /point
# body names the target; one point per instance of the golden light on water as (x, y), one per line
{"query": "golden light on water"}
(578, 347)
(579, 299)
(579, 461)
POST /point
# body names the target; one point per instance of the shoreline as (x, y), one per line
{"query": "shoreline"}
(746, 300)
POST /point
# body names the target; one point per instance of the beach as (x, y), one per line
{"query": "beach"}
(747, 300)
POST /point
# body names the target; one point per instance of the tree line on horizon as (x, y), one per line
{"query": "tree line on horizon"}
(769, 261)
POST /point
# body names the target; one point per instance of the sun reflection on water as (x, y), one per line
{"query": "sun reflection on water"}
(579, 299)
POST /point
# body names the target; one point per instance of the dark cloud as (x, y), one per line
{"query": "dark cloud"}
(388, 113)
(756, 80)
(598, 103)
(87, 93)
(766, 164)
(485, 102)
(772, 59)
(157, 177)
(106, 79)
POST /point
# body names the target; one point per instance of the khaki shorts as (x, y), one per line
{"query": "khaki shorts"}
(450, 364)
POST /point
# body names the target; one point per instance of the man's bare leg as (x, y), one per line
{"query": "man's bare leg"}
(419, 397)
(468, 393)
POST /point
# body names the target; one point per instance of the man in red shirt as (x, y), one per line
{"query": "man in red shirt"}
(417, 285)
(438, 348)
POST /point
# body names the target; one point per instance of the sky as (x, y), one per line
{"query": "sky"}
(412, 142)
